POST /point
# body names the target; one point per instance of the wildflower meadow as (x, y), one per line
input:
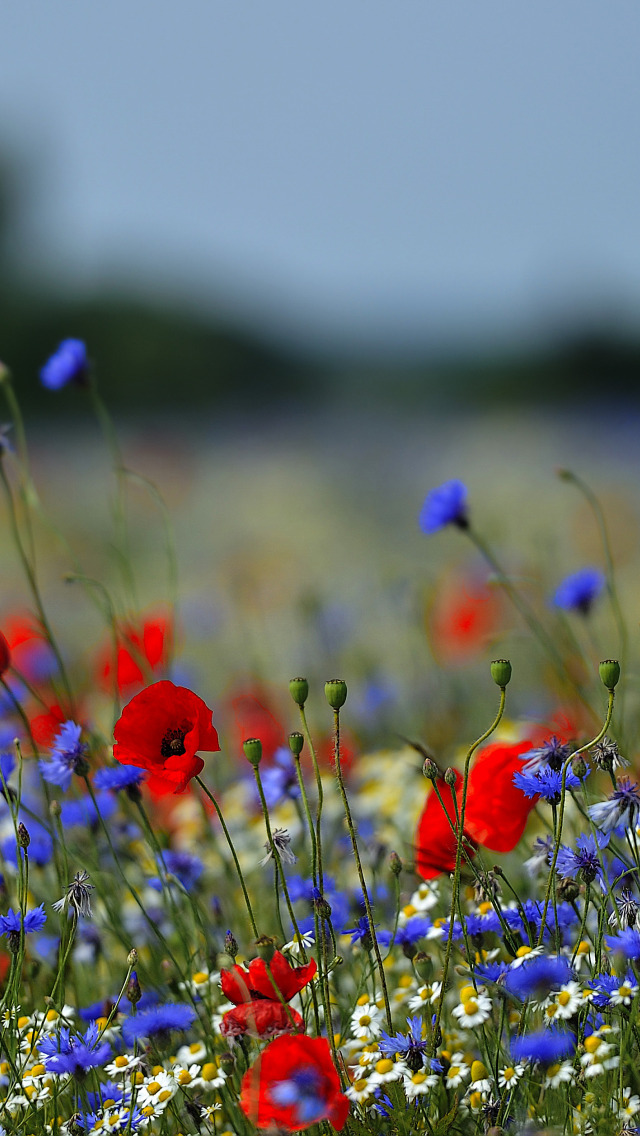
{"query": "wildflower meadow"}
(231, 906)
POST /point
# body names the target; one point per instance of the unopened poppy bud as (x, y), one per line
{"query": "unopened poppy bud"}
(296, 742)
(5, 654)
(133, 991)
(430, 769)
(132, 957)
(423, 966)
(253, 750)
(450, 778)
(567, 889)
(395, 864)
(580, 767)
(266, 946)
(299, 690)
(501, 672)
(231, 945)
(227, 1062)
(609, 673)
(24, 840)
(336, 693)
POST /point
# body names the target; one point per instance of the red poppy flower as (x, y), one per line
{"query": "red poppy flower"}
(496, 812)
(147, 643)
(30, 651)
(261, 1017)
(293, 1085)
(252, 718)
(45, 726)
(240, 985)
(161, 729)
(462, 618)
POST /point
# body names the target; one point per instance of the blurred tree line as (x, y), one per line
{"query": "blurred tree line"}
(153, 356)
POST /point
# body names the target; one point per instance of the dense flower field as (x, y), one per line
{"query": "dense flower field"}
(217, 918)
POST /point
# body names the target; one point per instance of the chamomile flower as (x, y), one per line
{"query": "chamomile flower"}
(424, 996)
(558, 1074)
(565, 1002)
(387, 1069)
(629, 1105)
(211, 1076)
(157, 1091)
(598, 1055)
(366, 1021)
(509, 1076)
(473, 1011)
(625, 993)
(197, 1051)
(419, 1083)
(123, 1064)
(457, 1072)
(360, 1091)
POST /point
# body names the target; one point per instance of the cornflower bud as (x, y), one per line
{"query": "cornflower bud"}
(133, 991)
(299, 690)
(567, 889)
(395, 864)
(253, 751)
(430, 769)
(231, 945)
(609, 671)
(501, 672)
(450, 778)
(266, 946)
(336, 693)
(296, 742)
(580, 767)
(24, 840)
(132, 957)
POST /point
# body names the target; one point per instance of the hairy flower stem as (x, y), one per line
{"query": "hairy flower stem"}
(455, 892)
(363, 882)
(320, 791)
(278, 861)
(558, 833)
(245, 893)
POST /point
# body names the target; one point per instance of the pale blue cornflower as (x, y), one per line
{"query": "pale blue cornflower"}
(67, 756)
(619, 810)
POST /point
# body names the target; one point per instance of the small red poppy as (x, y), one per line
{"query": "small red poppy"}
(496, 811)
(146, 643)
(240, 985)
(261, 1017)
(293, 1085)
(161, 729)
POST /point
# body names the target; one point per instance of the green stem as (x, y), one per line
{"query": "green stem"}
(233, 853)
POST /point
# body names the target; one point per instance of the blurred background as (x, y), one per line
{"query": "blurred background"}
(324, 258)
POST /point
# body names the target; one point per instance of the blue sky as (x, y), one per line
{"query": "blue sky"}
(359, 171)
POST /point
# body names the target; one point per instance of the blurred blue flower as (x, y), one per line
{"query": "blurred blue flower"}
(552, 752)
(119, 777)
(158, 1019)
(545, 1046)
(69, 363)
(446, 505)
(535, 979)
(76, 814)
(280, 780)
(67, 756)
(40, 848)
(417, 927)
(578, 591)
(627, 942)
(186, 868)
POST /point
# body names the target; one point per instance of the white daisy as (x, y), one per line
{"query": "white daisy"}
(418, 1084)
(559, 1074)
(457, 1072)
(366, 1021)
(509, 1076)
(473, 1012)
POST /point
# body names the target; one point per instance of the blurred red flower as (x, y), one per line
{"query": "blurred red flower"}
(45, 726)
(252, 718)
(145, 644)
(5, 654)
(462, 617)
(30, 652)
(293, 1085)
(495, 816)
(161, 729)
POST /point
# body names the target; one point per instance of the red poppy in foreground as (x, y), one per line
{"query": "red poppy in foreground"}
(161, 729)
(496, 813)
(293, 1085)
(139, 645)
(258, 1009)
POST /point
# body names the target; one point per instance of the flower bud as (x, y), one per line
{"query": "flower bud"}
(395, 864)
(299, 690)
(336, 693)
(253, 751)
(501, 672)
(5, 654)
(450, 778)
(322, 907)
(24, 840)
(478, 1071)
(423, 966)
(430, 769)
(567, 889)
(227, 1062)
(296, 742)
(610, 673)
(133, 991)
(266, 946)
(132, 957)
(231, 945)
(580, 767)
(55, 809)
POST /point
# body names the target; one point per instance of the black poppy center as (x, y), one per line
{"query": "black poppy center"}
(172, 744)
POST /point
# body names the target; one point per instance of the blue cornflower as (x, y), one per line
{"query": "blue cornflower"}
(536, 978)
(75, 1054)
(361, 932)
(108, 1091)
(620, 809)
(552, 752)
(545, 1046)
(546, 783)
(299, 888)
(84, 814)
(491, 971)
(627, 942)
(303, 1091)
(69, 363)
(412, 1046)
(585, 861)
(119, 777)
(280, 781)
(578, 591)
(446, 505)
(186, 868)
(158, 1019)
(417, 927)
(67, 756)
(12, 921)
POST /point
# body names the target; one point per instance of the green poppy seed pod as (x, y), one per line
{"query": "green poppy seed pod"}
(299, 690)
(253, 750)
(423, 966)
(501, 672)
(430, 769)
(266, 947)
(580, 767)
(450, 778)
(395, 864)
(336, 693)
(24, 840)
(610, 673)
(296, 742)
